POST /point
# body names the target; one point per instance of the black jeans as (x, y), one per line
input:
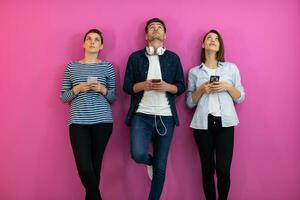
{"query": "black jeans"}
(88, 144)
(215, 147)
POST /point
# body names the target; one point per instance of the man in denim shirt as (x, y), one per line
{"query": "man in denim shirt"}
(153, 78)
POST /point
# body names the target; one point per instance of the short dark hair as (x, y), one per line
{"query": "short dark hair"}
(220, 53)
(155, 20)
(94, 31)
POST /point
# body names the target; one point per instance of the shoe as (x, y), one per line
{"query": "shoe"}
(150, 171)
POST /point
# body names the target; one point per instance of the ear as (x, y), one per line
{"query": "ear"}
(146, 37)
(202, 45)
(101, 47)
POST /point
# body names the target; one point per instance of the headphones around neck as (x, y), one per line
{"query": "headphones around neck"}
(151, 51)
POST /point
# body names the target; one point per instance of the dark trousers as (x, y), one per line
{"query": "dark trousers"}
(144, 131)
(88, 144)
(215, 147)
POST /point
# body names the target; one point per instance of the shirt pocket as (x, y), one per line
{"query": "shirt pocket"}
(141, 71)
(227, 78)
(168, 73)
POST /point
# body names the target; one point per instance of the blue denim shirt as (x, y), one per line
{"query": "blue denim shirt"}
(137, 70)
(229, 73)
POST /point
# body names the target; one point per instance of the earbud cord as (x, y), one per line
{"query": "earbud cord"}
(165, 128)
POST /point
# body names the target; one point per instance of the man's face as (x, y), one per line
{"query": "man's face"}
(155, 32)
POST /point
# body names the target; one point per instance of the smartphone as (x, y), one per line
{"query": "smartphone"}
(155, 80)
(92, 79)
(214, 79)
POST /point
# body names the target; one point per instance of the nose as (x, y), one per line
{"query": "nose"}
(213, 40)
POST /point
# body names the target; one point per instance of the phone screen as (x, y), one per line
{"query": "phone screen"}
(214, 79)
(156, 80)
(92, 79)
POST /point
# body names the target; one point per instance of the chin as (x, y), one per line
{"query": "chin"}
(93, 52)
(213, 49)
(157, 40)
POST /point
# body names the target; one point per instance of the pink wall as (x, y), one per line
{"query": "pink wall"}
(37, 40)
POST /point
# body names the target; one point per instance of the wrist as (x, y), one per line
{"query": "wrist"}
(228, 87)
(75, 90)
(139, 87)
(172, 88)
(135, 87)
(201, 90)
(103, 91)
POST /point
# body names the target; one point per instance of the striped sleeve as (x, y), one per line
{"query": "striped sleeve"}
(111, 84)
(67, 93)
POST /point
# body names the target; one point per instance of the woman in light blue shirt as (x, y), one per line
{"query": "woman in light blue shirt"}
(213, 88)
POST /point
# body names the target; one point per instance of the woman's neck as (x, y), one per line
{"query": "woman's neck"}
(211, 61)
(90, 58)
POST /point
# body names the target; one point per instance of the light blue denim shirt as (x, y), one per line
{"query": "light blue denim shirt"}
(229, 73)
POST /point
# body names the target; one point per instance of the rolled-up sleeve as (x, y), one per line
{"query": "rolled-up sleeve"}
(128, 79)
(238, 85)
(179, 82)
(111, 84)
(191, 88)
(67, 94)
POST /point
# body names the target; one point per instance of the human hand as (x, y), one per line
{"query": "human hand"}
(81, 87)
(98, 87)
(162, 86)
(219, 86)
(205, 87)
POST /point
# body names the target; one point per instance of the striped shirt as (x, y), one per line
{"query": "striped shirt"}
(89, 107)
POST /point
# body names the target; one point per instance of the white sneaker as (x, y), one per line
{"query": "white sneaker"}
(150, 171)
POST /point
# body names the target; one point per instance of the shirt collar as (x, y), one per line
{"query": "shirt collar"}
(220, 64)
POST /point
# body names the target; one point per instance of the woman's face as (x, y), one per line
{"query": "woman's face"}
(211, 42)
(92, 43)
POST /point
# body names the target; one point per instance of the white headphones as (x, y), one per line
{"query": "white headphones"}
(151, 51)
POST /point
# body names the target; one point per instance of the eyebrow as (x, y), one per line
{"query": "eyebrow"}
(89, 37)
(211, 35)
(155, 23)
(97, 36)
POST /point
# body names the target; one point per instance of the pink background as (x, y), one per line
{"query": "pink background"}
(38, 38)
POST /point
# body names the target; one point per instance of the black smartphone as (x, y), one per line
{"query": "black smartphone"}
(214, 79)
(155, 80)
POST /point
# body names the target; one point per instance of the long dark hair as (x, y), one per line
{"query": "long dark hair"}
(220, 53)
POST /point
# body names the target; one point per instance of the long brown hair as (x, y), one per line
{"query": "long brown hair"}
(220, 53)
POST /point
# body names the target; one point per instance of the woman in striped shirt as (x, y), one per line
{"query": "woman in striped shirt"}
(89, 86)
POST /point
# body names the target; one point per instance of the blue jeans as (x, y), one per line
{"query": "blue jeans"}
(144, 130)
